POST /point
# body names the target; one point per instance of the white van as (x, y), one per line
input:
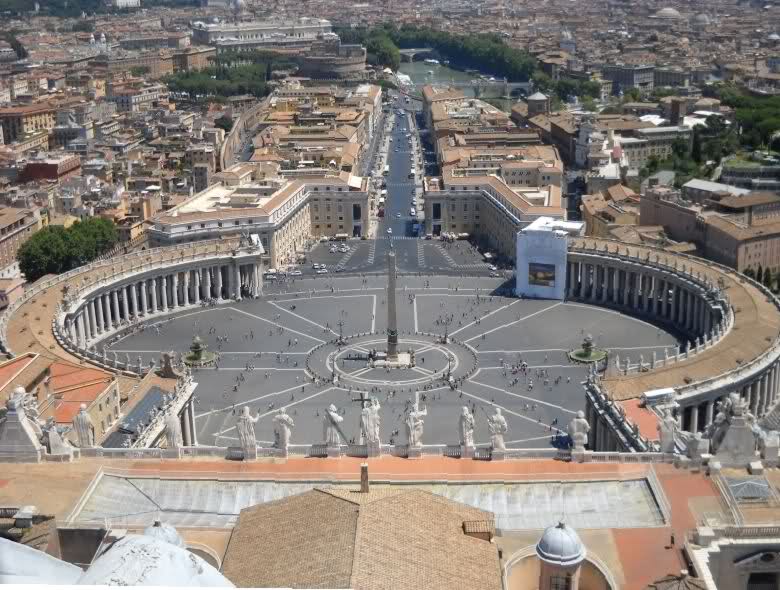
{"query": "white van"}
(413, 212)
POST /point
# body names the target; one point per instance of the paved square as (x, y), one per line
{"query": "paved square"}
(265, 345)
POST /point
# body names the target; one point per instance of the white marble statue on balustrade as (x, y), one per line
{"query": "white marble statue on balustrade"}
(414, 423)
(173, 433)
(331, 427)
(245, 426)
(578, 430)
(667, 430)
(466, 428)
(370, 421)
(84, 428)
(283, 425)
(53, 440)
(498, 428)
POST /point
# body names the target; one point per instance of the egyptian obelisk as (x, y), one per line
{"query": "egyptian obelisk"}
(392, 324)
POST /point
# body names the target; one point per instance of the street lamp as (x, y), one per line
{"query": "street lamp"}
(446, 320)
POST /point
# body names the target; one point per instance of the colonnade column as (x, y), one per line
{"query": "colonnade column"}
(191, 418)
(125, 303)
(134, 299)
(93, 327)
(694, 419)
(163, 293)
(207, 278)
(174, 302)
(144, 297)
(115, 306)
(218, 278)
(106, 303)
(154, 295)
(196, 285)
(98, 301)
(185, 291)
(709, 412)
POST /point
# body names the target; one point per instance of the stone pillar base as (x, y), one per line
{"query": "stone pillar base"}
(579, 455)
(497, 454)
(250, 454)
(334, 451)
(374, 450)
(414, 452)
(466, 452)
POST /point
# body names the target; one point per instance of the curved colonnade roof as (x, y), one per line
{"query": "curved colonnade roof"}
(756, 323)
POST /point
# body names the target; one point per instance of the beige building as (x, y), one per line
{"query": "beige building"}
(284, 213)
(21, 121)
(16, 227)
(602, 212)
(739, 231)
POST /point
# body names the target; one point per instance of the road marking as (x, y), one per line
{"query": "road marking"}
(530, 315)
(414, 308)
(255, 399)
(373, 314)
(484, 317)
(251, 315)
(519, 396)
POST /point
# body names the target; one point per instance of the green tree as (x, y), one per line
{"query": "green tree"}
(225, 123)
(139, 71)
(759, 273)
(589, 104)
(54, 249)
(749, 272)
(632, 95)
(767, 278)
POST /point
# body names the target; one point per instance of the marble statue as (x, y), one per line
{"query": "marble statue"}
(578, 431)
(466, 428)
(246, 432)
(85, 429)
(498, 428)
(414, 423)
(331, 427)
(54, 441)
(667, 429)
(173, 430)
(283, 426)
(369, 423)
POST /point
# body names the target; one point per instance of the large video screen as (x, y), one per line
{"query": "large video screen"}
(541, 274)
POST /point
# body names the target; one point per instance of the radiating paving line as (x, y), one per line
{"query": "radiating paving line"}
(530, 315)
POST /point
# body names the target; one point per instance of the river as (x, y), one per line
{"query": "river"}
(418, 71)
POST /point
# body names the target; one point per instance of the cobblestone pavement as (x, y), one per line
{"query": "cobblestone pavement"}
(264, 345)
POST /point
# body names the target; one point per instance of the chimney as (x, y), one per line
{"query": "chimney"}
(364, 478)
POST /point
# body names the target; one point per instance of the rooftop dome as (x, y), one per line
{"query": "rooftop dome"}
(774, 37)
(164, 532)
(701, 19)
(560, 545)
(140, 560)
(537, 96)
(667, 12)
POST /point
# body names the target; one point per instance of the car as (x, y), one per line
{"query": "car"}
(339, 269)
(322, 271)
(343, 250)
(398, 215)
(323, 265)
(389, 230)
(492, 267)
(315, 266)
(295, 273)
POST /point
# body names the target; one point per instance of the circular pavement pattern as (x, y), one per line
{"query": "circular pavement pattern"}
(279, 351)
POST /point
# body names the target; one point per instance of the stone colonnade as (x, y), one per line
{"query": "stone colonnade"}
(160, 291)
(692, 309)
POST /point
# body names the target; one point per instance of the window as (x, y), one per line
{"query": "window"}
(560, 582)
(202, 225)
(236, 222)
(219, 224)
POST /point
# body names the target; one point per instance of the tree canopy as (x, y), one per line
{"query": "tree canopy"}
(55, 250)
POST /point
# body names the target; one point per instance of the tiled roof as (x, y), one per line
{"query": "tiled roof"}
(341, 538)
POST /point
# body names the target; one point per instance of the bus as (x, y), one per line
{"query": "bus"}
(387, 170)
(341, 237)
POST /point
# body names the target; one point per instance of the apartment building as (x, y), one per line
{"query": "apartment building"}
(19, 121)
(626, 76)
(740, 231)
(255, 35)
(135, 99)
(16, 227)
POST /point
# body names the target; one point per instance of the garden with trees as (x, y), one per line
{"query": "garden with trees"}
(55, 249)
